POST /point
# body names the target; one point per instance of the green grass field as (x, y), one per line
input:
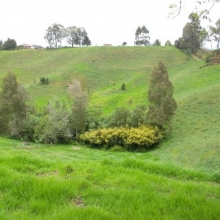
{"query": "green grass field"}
(177, 180)
(75, 182)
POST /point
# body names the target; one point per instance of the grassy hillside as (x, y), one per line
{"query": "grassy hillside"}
(196, 125)
(104, 69)
(67, 182)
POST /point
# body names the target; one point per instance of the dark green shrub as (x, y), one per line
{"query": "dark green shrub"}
(43, 80)
(123, 86)
(9, 44)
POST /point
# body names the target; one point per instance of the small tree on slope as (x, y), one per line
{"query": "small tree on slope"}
(12, 106)
(162, 105)
(80, 103)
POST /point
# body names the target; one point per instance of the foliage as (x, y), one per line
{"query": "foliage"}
(211, 57)
(129, 138)
(215, 57)
(54, 35)
(119, 118)
(12, 106)
(9, 44)
(79, 106)
(123, 86)
(54, 125)
(123, 117)
(193, 35)
(33, 119)
(124, 43)
(157, 43)
(86, 41)
(142, 36)
(94, 117)
(168, 43)
(73, 35)
(137, 116)
(207, 59)
(180, 44)
(77, 36)
(44, 80)
(162, 105)
(175, 9)
(215, 33)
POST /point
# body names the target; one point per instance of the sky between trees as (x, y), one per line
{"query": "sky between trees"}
(106, 21)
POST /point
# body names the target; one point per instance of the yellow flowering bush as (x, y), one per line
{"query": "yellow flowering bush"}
(129, 138)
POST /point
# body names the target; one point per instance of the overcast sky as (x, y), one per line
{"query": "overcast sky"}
(106, 21)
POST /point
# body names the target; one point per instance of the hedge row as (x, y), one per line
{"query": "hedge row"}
(129, 138)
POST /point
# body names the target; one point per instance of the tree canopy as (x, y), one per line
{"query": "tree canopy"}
(54, 35)
(193, 35)
(73, 35)
(77, 36)
(9, 44)
(215, 33)
(80, 102)
(162, 105)
(142, 36)
(12, 106)
(157, 43)
(168, 43)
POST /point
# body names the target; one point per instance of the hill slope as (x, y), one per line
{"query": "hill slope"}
(196, 125)
(104, 68)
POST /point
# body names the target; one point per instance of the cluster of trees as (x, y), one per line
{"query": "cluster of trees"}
(52, 124)
(142, 36)
(73, 35)
(60, 122)
(161, 106)
(142, 127)
(9, 44)
(194, 36)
